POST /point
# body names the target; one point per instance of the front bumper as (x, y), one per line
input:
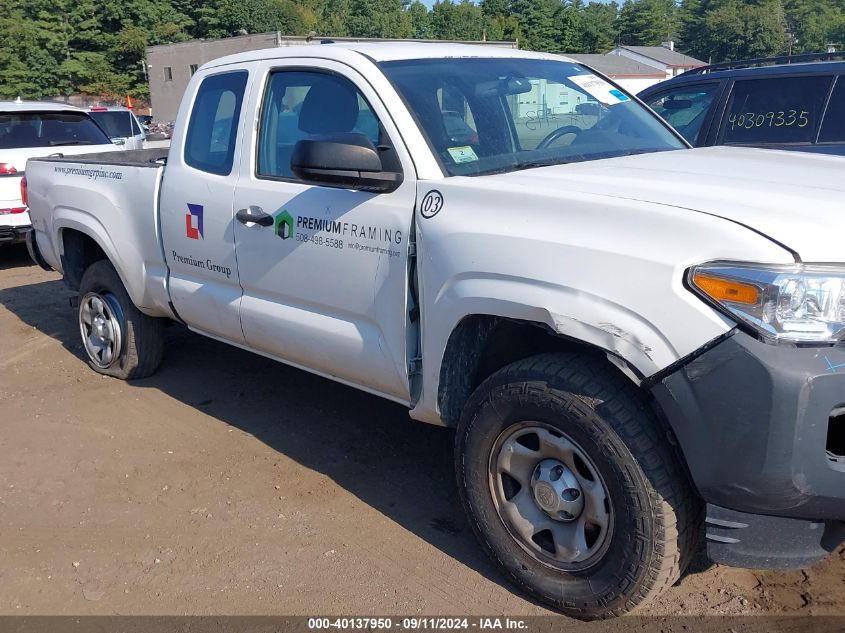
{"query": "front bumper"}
(13, 234)
(761, 427)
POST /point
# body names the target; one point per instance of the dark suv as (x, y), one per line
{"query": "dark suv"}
(793, 103)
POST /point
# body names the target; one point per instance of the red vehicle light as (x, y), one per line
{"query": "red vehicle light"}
(12, 210)
(93, 109)
(24, 196)
(6, 168)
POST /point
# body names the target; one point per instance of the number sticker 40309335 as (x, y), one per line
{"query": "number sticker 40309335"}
(781, 118)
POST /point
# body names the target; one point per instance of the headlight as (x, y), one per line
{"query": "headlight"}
(799, 303)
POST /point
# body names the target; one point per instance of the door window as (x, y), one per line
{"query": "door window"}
(774, 110)
(302, 104)
(833, 127)
(212, 130)
(685, 108)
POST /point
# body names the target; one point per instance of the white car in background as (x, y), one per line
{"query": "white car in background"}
(29, 129)
(121, 125)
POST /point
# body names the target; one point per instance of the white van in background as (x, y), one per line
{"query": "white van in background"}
(121, 125)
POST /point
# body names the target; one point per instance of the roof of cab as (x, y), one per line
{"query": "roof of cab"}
(37, 106)
(381, 52)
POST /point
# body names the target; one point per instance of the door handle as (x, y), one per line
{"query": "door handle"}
(254, 215)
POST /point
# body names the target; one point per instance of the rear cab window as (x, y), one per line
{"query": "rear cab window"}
(775, 110)
(686, 108)
(48, 129)
(212, 128)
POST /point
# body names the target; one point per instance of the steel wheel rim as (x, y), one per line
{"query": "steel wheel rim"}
(544, 531)
(100, 319)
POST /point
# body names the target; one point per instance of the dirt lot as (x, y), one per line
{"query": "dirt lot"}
(228, 483)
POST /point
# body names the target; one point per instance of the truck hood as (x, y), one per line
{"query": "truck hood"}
(796, 199)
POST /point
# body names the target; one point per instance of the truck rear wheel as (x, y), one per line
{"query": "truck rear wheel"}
(119, 340)
(573, 486)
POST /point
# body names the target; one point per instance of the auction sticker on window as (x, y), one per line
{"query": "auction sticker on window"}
(463, 154)
(600, 89)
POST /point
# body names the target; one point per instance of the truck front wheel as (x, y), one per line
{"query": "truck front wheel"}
(573, 487)
(119, 340)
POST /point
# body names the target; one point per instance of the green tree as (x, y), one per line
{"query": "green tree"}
(648, 22)
(420, 21)
(537, 23)
(378, 18)
(720, 30)
(813, 24)
(598, 30)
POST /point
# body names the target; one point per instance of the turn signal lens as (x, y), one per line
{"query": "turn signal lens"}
(800, 303)
(726, 290)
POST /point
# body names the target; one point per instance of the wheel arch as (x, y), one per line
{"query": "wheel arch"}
(82, 240)
(481, 344)
(79, 250)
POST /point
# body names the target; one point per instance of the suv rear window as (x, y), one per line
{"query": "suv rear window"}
(833, 128)
(774, 110)
(115, 123)
(48, 129)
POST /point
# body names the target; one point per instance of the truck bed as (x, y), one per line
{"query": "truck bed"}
(112, 198)
(129, 158)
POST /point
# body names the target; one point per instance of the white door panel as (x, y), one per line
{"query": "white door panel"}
(325, 285)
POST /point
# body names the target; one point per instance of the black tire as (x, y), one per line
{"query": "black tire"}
(141, 342)
(656, 513)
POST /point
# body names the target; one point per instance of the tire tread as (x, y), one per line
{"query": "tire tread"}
(678, 517)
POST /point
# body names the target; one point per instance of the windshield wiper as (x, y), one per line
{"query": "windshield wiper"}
(522, 165)
(68, 142)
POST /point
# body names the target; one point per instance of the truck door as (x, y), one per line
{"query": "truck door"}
(196, 206)
(325, 280)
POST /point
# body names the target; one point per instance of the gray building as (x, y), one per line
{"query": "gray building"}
(665, 58)
(170, 66)
(632, 75)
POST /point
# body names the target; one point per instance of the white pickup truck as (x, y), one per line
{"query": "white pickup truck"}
(639, 343)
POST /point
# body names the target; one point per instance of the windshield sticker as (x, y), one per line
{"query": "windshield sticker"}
(600, 89)
(463, 154)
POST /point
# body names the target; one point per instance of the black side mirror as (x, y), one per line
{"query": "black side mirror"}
(348, 161)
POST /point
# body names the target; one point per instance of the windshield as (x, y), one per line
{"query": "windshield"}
(48, 129)
(485, 116)
(116, 123)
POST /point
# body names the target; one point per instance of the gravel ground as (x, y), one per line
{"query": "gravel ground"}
(230, 484)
